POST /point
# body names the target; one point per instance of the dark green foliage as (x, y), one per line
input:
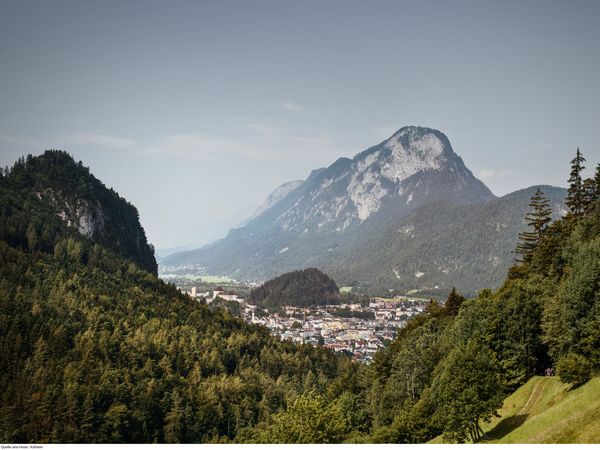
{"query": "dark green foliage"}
(96, 356)
(309, 419)
(37, 190)
(450, 368)
(308, 287)
(468, 389)
(572, 315)
(574, 369)
(453, 302)
(94, 348)
(537, 219)
(576, 194)
(591, 191)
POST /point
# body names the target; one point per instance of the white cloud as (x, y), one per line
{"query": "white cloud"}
(97, 140)
(493, 174)
(258, 141)
(292, 107)
(202, 147)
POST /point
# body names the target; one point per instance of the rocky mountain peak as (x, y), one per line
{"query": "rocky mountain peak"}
(414, 166)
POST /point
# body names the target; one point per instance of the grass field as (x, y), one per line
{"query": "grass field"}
(546, 411)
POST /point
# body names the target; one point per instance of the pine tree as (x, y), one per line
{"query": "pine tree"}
(589, 194)
(596, 185)
(537, 219)
(575, 197)
(453, 302)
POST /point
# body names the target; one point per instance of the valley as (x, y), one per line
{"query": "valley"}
(358, 326)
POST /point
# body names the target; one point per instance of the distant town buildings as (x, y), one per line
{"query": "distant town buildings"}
(217, 292)
(341, 328)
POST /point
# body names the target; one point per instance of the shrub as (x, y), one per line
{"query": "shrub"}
(574, 369)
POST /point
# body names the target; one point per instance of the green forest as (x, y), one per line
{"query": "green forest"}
(96, 348)
(301, 288)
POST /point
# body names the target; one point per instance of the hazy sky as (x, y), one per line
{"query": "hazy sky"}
(195, 111)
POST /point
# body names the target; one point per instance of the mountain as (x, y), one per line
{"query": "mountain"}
(441, 245)
(301, 288)
(369, 221)
(274, 197)
(57, 188)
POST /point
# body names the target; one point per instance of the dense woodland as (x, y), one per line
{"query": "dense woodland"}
(308, 287)
(69, 189)
(95, 348)
(450, 368)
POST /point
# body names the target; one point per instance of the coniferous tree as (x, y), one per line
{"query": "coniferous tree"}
(537, 220)
(453, 302)
(593, 189)
(589, 194)
(575, 197)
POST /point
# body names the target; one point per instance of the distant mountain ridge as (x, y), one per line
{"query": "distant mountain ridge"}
(274, 197)
(347, 219)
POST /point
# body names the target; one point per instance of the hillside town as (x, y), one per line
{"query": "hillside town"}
(354, 328)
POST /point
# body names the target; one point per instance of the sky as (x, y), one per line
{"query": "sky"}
(194, 111)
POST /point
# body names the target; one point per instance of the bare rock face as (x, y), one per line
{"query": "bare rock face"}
(85, 216)
(414, 166)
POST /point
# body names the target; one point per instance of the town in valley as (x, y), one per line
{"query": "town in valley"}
(357, 328)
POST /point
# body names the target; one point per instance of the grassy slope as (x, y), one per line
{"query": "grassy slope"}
(545, 411)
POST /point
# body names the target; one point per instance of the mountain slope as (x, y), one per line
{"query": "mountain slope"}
(414, 167)
(405, 214)
(444, 245)
(546, 411)
(59, 189)
(274, 197)
(95, 349)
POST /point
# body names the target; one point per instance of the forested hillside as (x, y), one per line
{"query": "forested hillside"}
(96, 349)
(37, 191)
(308, 287)
(450, 369)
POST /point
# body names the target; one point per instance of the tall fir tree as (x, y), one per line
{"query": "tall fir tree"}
(453, 302)
(576, 194)
(537, 219)
(589, 194)
(596, 185)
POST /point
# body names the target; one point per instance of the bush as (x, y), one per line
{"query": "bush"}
(574, 369)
